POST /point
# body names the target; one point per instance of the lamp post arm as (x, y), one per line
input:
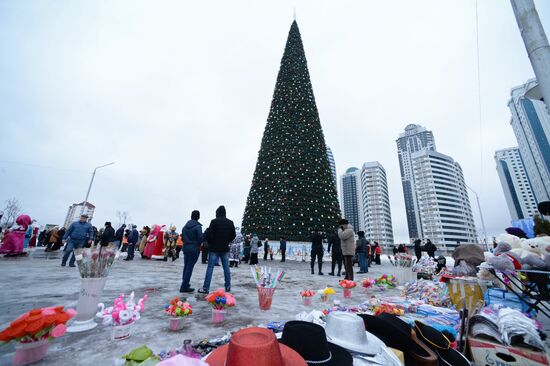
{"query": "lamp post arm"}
(90, 186)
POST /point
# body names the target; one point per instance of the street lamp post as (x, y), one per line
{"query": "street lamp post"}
(480, 215)
(90, 186)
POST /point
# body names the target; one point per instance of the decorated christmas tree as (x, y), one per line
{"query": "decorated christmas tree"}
(292, 190)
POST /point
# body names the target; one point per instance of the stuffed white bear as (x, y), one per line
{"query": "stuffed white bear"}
(513, 240)
(536, 246)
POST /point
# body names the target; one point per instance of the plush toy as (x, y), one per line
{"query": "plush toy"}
(513, 240)
(503, 260)
(547, 258)
(535, 246)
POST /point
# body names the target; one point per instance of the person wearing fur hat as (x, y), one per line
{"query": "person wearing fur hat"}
(347, 238)
(170, 239)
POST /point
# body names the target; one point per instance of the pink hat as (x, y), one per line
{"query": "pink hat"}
(181, 360)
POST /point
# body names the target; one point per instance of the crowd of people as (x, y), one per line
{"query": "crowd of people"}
(220, 243)
(419, 247)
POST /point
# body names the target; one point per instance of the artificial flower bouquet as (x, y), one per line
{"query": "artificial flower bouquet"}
(96, 261)
(34, 330)
(325, 293)
(38, 324)
(220, 300)
(386, 282)
(178, 310)
(306, 296)
(347, 285)
(368, 283)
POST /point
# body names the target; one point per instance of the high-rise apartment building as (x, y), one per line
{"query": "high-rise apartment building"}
(515, 184)
(365, 202)
(376, 204)
(442, 198)
(531, 124)
(332, 164)
(74, 212)
(415, 138)
(350, 197)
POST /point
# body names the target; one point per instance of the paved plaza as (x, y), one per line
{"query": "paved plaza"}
(38, 282)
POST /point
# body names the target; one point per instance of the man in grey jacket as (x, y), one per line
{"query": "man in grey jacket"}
(347, 239)
(76, 236)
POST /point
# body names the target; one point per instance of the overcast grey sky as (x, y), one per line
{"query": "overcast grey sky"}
(178, 93)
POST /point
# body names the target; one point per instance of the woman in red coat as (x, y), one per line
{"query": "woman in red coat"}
(155, 244)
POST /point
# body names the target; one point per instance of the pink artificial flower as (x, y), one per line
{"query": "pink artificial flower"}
(48, 311)
(58, 331)
(229, 299)
(71, 312)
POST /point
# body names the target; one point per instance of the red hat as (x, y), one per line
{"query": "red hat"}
(254, 347)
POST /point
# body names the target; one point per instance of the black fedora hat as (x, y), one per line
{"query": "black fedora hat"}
(397, 334)
(310, 341)
(441, 345)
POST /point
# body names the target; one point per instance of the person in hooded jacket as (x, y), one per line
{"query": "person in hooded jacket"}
(418, 249)
(108, 235)
(221, 232)
(119, 234)
(192, 238)
(317, 251)
(254, 245)
(430, 248)
(334, 242)
(362, 251)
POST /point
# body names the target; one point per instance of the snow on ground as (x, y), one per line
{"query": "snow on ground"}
(37, 282)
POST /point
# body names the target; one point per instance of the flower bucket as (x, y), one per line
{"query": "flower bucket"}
(27, 353)
(347, 293)
(176, 323)
(121, 332)
(324, 298)
(91, 290)
(306, 301)
(218, 315)
(265, 297)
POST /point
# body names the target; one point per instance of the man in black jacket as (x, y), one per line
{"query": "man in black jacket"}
(418, 249)
(317, 250)
(430, 248)
(108, 235)
(337, 258)
(132, 241)
(220, 233)
(119, 235)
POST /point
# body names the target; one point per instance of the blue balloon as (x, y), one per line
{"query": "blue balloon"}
(223, 300)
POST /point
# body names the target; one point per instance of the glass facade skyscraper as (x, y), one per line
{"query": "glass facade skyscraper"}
(415, 138)
(531, 124)
(350, 194)
(515, 184)
(365, 202)
(332, 164)
(442, 197)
